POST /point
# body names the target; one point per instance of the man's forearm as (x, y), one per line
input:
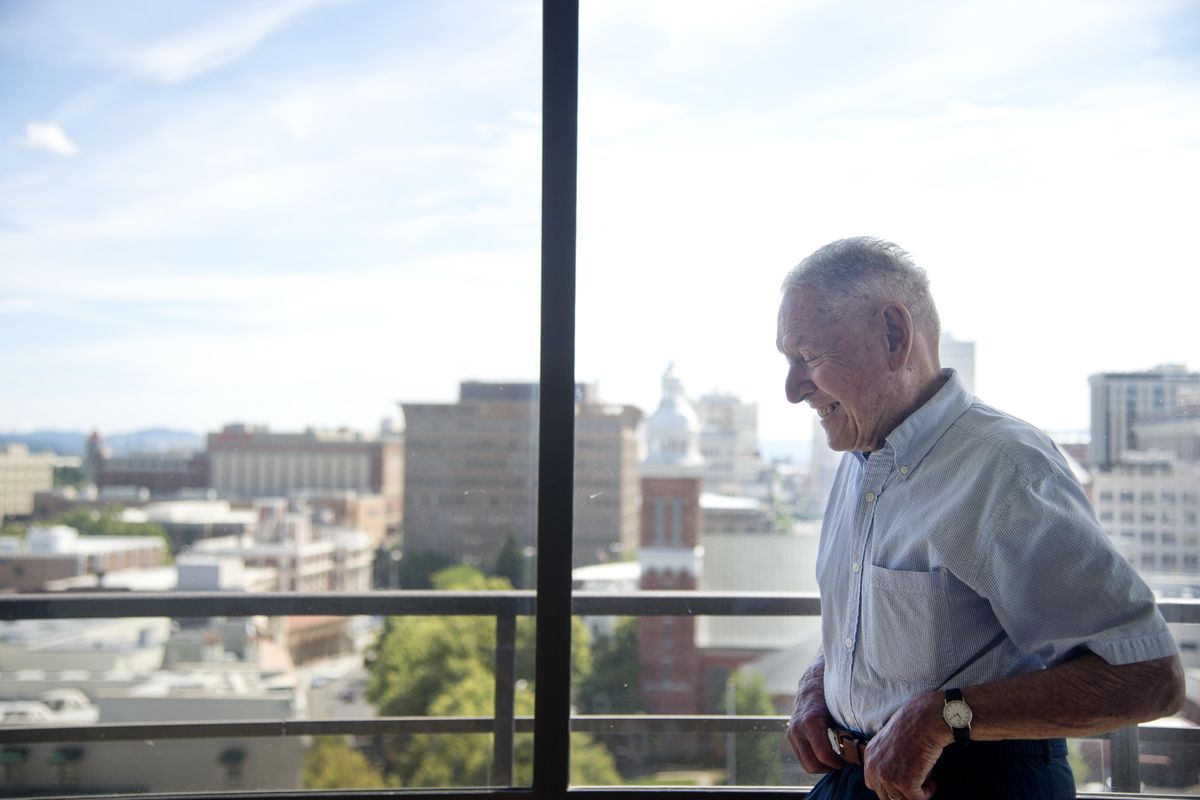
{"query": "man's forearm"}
(1081, 697)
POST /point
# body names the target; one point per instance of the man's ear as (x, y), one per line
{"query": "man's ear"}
(899, 326)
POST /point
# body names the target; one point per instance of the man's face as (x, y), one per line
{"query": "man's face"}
(838, 366)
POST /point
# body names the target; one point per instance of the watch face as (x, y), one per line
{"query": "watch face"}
(957, 714)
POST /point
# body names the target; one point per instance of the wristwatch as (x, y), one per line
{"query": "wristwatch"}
(957, 715)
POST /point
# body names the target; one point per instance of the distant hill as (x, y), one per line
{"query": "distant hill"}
(72, 443)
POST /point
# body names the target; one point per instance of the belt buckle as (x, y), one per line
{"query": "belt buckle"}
(836, 741)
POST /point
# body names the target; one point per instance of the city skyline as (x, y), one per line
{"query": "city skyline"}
(299, 213)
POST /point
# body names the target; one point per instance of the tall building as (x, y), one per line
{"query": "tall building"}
(607, 491)
(1177, 433)
(670, 555)
(246, 463)
(471, 477)
(1150, 508)
(22, 475)
(729, 443)
(1120, 400)
(959, 355)
(671, 558)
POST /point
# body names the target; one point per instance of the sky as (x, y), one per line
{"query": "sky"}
(299, 212)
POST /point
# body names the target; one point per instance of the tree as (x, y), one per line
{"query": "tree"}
(611, 686)
(758, 756)
(444, 666)
(415, 570)
(69, 476)
(512, 563)
(331, 763)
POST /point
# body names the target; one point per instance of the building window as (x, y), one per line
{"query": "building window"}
(677, 522)
(660, 525)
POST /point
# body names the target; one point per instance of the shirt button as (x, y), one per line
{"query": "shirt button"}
(870, 497)
(849, 643)
(904, 470)
(854, 568)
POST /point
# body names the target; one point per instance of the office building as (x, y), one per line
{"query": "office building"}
(1150, 507)
(1175, 434)
(1122, 400)
(471, 474)
(247, 462)
(729, 444)
(22, 475)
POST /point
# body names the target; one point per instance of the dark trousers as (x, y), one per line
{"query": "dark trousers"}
(1011, 770)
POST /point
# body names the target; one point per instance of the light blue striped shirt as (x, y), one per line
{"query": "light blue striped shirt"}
(962, 552)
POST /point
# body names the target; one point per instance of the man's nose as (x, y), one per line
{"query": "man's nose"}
(796, 384)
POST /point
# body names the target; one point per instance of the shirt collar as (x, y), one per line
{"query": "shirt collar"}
(913, 438)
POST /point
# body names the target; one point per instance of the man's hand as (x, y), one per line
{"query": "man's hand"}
(900, 757)
(808, 730)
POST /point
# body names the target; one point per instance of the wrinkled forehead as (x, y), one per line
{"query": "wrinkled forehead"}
(800, 311)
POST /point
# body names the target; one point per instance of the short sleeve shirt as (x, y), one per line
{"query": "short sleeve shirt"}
(962, 552)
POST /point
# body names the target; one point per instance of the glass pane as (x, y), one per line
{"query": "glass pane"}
(269, 324)
(1035, 158)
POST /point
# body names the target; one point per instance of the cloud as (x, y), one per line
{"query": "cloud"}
(166, 43)
(189, 53)
(49, 137)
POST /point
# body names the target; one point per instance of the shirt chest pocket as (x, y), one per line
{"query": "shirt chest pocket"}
(906, 625)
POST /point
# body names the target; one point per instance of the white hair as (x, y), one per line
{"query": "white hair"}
(851, 273)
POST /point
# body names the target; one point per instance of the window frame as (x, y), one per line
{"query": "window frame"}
(551, 745)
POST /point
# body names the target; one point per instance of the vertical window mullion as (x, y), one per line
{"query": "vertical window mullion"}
(556, 430)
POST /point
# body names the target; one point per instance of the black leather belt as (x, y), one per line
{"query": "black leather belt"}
(852, 747)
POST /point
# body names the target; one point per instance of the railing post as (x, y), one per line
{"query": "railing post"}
(505, 708)
(1123, 755)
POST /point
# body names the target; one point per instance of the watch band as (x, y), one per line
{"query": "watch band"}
(962, 735)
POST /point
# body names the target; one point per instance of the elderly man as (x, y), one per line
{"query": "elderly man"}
(973, 612)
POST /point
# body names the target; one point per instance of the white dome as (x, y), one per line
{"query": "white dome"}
(673, 431)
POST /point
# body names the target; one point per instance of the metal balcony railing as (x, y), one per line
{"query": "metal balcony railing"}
(505, 607)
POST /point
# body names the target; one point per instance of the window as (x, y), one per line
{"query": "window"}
(275, 212)
(727, 152)
(704, 136)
